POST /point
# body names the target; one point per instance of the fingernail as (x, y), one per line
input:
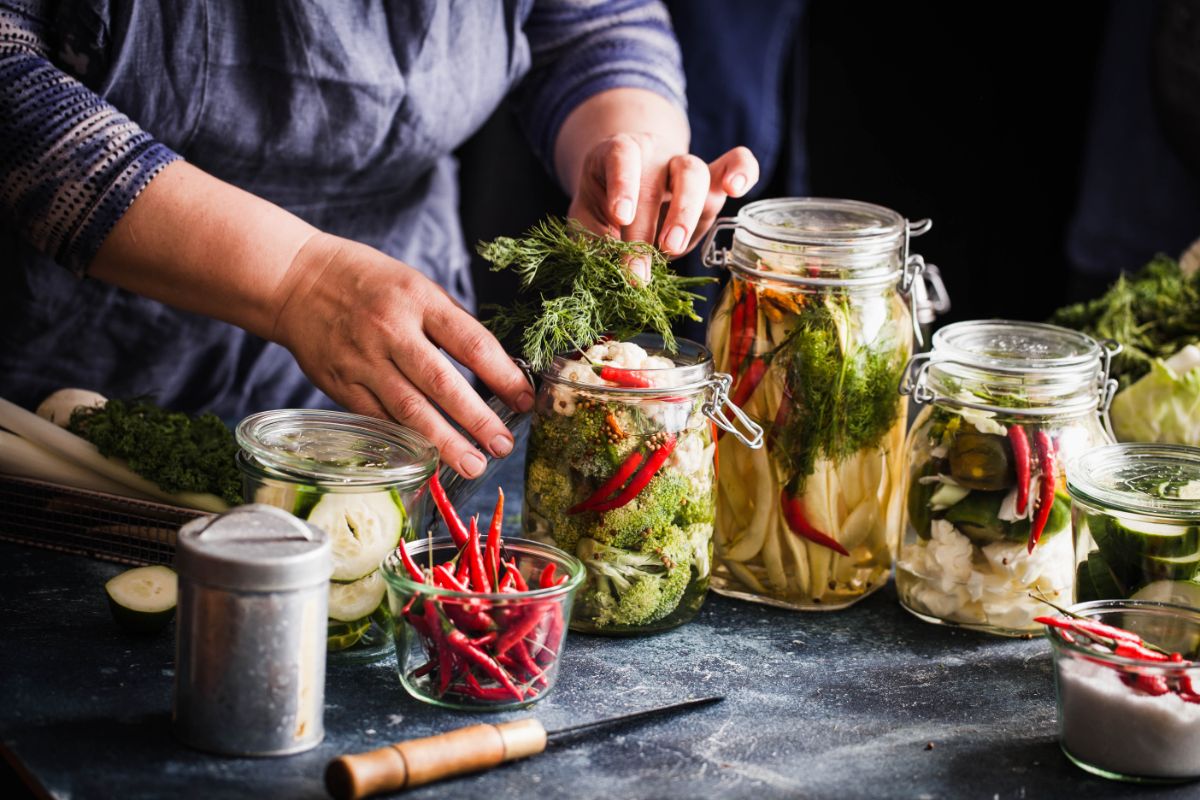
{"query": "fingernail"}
(675, 238)
(471, 465)
(525, 402)
(737, 183)
(640, 267)
(624, 210)
(501, 445)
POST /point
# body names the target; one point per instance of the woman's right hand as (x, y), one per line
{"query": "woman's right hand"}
(366, 329)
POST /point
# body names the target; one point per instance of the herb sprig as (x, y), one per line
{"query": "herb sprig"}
(575, 288)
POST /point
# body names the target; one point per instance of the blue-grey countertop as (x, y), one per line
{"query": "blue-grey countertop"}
(863, 703)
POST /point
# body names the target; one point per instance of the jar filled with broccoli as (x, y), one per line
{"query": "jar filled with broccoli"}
(360, 480)
(620, 471)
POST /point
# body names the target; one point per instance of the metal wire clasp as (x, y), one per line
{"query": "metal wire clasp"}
(710, 255)
(913, 384)
(714, 409)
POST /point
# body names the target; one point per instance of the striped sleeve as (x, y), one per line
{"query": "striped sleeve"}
(70, 163)
(582, 47)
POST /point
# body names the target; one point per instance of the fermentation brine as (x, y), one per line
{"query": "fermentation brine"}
(620, 473)
(815, 329)
(988, 531)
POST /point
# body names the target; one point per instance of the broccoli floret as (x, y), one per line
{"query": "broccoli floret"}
(548, 494)
(697, 506)
(649, 513)
(583, 441)
(635, 588)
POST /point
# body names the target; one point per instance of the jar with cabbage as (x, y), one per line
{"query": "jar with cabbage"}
(1007, 406)
(815, 328)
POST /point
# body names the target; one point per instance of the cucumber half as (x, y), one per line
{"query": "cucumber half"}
(143, 599)
(349, 602)
(363, 528)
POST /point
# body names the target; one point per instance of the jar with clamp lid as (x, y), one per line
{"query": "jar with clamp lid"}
(1007, 405)
(815, 327)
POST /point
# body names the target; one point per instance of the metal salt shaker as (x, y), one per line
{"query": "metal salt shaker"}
(250, 642)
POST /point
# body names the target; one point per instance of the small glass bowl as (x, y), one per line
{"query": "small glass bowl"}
(1123, 718)
(434, 664)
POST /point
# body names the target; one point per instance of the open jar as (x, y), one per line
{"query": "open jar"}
(356, 478)
(620, 473)
(1007, 406)
(815, 328)
(1136, 509)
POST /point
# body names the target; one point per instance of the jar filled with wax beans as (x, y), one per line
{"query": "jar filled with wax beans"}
(1136, 511)
(620, 473)
(815, 327)
(1007, 406)
(360, 480)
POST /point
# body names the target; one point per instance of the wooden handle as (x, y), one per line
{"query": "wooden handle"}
(421, 761)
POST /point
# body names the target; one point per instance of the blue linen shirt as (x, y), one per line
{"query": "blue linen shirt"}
(344, 114)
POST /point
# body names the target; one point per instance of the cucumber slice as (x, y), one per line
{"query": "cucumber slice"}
(143, 599)
(363, 528)
(352, 601)
(946, 495)
(1161, 539)
(1173, 568)
(1095, 580)
(1184, 593)
(340, 635)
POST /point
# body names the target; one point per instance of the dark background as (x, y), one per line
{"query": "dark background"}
(974, 115)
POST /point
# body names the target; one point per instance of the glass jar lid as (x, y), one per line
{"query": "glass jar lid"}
(337, 447)
(1158, 480)
(1008, 366)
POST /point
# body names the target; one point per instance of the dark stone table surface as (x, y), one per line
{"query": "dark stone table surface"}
(863, 703)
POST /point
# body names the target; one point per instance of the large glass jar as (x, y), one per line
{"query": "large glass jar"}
(620, 472)
(1009, 405)
(360, 480)
(1136, 511)
(814, 327)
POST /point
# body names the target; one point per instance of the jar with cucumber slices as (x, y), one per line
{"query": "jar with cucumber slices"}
(1007, 406)
(1136, 512)
(360, 480)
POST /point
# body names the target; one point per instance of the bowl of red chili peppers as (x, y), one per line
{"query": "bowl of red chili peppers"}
(1128, 678)
(479, 622)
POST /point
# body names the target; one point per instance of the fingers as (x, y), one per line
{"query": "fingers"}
(735, 172)
(689, 183)
(622, 166)
(473, 346)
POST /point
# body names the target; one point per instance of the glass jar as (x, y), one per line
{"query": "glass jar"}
(814, 327)
(1136, 512)
(359, 479)
(1008, 405)
(1129, 719)
(619, 472)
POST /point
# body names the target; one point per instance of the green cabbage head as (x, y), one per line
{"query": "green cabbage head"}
(1164, 405)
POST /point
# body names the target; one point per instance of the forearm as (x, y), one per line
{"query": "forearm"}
(199, 244)
(637, 112)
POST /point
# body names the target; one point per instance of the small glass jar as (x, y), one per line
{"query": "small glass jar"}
(619, 472)
(1127, 719)
(1136, 511)
(814, 326)
(1009, 404)
(359, 479)
(522, 632)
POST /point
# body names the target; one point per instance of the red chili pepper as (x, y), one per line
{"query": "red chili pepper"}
(1091, 628)
(414, 571)
(518, 579)
(532, 670)
(492, 559)
(1138, 651)
(743, 329)
(444, 657)
(472, 688)
(518, 629)
(463, 572)
(1155, 685)
(793, 513)
(458, 640)
(445, 579)
(546, 580)
(479, 581)
(640, 479)
(1045, 449)
(485, 640)
(622, 377)
(506, 583)
(1021, 457)
(454, 524)
(627, 468)
(749, 382)
(547, 654)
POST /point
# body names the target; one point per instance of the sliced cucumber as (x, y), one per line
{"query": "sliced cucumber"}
(352, 601)
(1184, 593)
(946, 495)
(1161, 539)
(143, 599)
(1173, 568)
(363, 528)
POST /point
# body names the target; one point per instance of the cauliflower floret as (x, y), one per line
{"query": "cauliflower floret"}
(949, 604)
(949, 556)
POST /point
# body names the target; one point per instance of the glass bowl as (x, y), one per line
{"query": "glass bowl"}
(471, 650)
(1124, 718)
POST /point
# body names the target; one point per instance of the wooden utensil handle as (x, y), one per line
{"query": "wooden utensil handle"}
(420, 761)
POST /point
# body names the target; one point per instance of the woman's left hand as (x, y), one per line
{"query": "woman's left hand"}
(645, 186)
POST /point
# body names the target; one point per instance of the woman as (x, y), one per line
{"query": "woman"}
(239, 180)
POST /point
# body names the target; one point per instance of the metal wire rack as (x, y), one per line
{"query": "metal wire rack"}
(93, 524)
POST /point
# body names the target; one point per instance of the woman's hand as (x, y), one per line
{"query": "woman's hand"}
(366, 329)
(639, 182)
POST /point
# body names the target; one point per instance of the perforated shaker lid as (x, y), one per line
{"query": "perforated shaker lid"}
(255, 548)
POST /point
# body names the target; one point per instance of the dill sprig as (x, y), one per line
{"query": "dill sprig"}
(575, 288)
